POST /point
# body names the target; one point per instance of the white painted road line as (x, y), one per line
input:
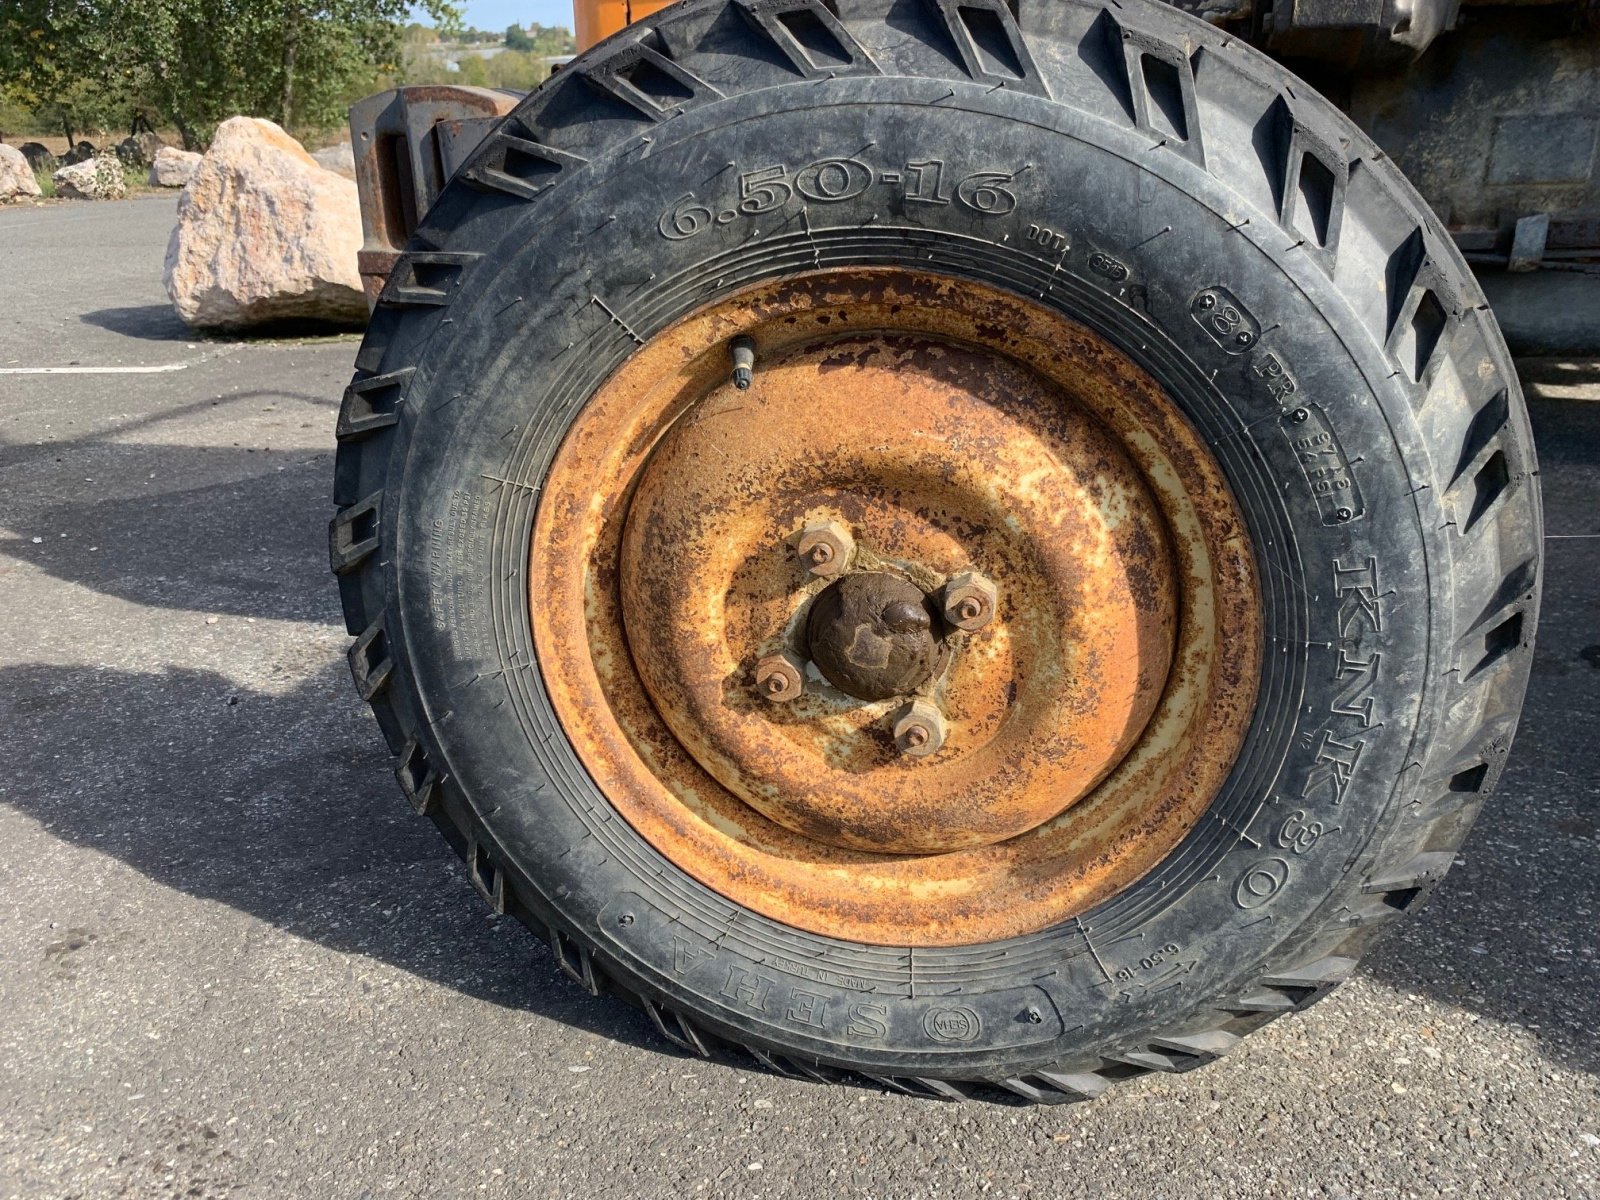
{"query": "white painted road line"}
(93, 370)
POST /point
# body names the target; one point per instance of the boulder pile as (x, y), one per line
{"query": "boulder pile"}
(265, 235)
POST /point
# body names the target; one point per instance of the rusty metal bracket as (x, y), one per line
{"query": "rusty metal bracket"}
(408, 143)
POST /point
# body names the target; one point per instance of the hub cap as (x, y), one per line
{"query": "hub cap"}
(941, 630)
(872, 635)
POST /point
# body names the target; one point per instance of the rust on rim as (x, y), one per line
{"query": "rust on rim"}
(1028, 659)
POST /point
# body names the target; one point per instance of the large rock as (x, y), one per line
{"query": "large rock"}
(16, 176)
(265, 235)
(100, 178)
(172, 167)
(140, 150)
(39, 157)
(338, 158)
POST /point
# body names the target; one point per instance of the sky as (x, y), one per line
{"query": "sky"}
(497, 14)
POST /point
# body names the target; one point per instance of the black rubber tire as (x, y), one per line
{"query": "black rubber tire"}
(1146, 175)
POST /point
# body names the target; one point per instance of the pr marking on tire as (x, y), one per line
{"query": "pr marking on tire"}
(1299, 833)
(1227, 322)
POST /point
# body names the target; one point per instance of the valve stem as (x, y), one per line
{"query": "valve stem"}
(744, 359)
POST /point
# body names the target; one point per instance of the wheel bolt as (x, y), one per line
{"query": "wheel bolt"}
(919, 729)
(969, 600)
(825, 548)
(780, 677)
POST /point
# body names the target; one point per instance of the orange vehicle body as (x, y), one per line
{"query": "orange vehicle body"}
(595, 20)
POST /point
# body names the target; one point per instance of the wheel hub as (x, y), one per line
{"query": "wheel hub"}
(873, 635)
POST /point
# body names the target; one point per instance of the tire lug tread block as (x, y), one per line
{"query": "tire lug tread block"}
(985, 36)
(633, 70)
(418, 780)
(354, 533)
(1487, 423)
(919, 1085)
(672, 1025)
(370, 663)
(1181, 1053)
(486, 874)
(1053, 1087)
(807, 33)
(1155, 79)
(1310, 175)
(1422, 870)
(428, 278)
(574, 958)
(793, 1067)
(511, 161)
(1297, 989)
(372, 404)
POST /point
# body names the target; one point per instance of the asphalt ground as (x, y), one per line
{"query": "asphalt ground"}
(232, 963)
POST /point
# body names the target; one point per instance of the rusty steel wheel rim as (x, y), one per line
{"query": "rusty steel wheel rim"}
(971, 512)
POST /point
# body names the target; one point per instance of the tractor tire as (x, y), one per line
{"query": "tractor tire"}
(1140, 365)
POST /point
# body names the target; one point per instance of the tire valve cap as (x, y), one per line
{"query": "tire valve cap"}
(744, 361)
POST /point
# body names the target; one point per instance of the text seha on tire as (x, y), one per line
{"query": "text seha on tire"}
(979, 546)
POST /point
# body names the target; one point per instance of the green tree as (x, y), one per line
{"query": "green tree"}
(517, 38)
(196, 62)
(61, 62)
(550, 41)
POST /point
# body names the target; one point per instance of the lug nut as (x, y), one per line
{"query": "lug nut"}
(780, 677)
(825, 549)
(969, 601)
(919, 729)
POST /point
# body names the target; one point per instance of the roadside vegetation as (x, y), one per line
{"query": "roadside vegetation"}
(100, 69)
(519, 60)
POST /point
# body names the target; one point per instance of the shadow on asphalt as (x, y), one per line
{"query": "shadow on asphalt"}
(224, 529)
(245, 544)
(1580, 372)
(161, 323)
(279, 804)
(147, 322)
